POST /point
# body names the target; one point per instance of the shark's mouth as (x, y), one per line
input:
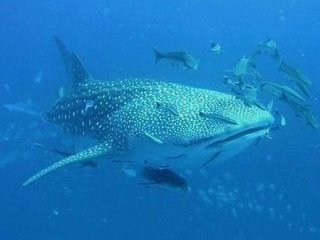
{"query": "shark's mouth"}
(214, 141)
(206, 150)
(239, 135)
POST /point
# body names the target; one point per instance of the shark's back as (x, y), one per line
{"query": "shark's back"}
(135, 107)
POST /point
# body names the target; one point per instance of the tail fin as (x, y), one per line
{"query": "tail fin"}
(158, 55)
(75, 70)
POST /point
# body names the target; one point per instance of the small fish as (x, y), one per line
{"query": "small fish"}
(219, 117)
(250, 101)
(282, 92)
(303, 86)
(283, 121)
(152, 138)
(217, 154)
(182, 57)
(164, 177)
(215, 47)
(53, 150)
(270, 106)
(269, 45)
(168, 108)
(241, 67)
(246, 66)
(302, 81)
(293, 99)
(89, 163)
(89, 104)
(304, 111)
(268, 135)
(25, 107)
(239, 84)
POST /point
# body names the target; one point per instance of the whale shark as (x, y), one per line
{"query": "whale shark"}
(146, 121)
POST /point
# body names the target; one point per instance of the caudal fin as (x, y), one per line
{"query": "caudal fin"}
(76, 72)
(158, 55)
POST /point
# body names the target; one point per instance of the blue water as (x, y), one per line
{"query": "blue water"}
(269, 191)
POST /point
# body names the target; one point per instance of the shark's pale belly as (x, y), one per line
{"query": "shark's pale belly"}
(145, 151)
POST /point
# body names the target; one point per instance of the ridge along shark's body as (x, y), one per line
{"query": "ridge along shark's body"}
(143, 120)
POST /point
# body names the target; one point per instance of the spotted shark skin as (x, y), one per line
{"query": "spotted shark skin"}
(160, 122)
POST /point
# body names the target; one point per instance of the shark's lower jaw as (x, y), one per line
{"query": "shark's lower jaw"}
(224, 148)
(209, 152)
(230, 146)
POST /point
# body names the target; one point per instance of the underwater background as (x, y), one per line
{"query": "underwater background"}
(269, 191)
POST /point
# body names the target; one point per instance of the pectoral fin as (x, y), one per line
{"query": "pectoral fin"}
(92, 152)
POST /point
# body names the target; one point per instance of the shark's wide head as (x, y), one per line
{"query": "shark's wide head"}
(235, 125)
(196, 127)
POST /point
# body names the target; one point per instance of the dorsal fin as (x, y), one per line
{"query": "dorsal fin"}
(65, 55)
(76, 72)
